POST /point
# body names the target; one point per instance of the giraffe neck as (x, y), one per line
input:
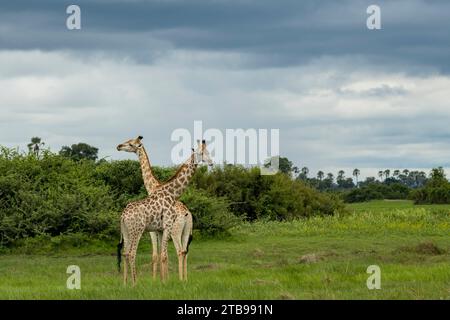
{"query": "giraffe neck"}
(150, 181)
(179, 182)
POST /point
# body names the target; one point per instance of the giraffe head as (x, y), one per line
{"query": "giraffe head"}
(132, 145)
(201, 155)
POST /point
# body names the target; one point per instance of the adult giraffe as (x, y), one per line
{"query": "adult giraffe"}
(183, 225)
(155, 213)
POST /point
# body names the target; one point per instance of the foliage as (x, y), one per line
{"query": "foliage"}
(274, 197)
(34, 147)
(79, 151)
(56, 196)
(436, 190)
(52, 196)
(210, 214)
(375, 191)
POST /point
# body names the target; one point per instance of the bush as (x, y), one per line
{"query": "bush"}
(377, 191)
(253, 196)
(435, 191)
(211, 215)
(52, 196)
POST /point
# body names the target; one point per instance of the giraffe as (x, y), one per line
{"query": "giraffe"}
(184, 216)
(155, 213)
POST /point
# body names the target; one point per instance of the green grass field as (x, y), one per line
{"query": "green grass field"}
(318, 258)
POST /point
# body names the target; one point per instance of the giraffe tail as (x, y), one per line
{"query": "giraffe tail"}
(189, 242)
(191, 229)
(119, 251)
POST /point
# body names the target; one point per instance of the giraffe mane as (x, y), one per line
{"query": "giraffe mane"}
(184, 165)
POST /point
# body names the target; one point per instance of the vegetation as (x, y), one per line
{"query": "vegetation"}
(435, 191)
(79, 151)
(285, 236)
(69, 196)
(323, 257)
(377, 191)
(398, 186)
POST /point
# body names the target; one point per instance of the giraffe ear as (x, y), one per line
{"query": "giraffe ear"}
(140, 137)
(193, 150)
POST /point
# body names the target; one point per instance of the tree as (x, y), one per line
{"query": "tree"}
(330, 176)
(79, 151)
(35, 145)
(285, 165)
(320, 175)
(396, 173)
(356, 173)
(340, 176)
(387, 173)
(406, 172)
(305, 171)
(328, 181)
(437, 177)
(380, 175)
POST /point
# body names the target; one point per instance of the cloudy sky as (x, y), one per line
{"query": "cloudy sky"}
(341, 95)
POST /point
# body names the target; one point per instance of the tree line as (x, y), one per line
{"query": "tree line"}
(73, 195)
(389, 184)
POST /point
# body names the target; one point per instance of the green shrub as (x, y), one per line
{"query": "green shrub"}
(61, 202)
(276, 197)
(435, 191)
(52, 196)
(210, 214)
(377, 191)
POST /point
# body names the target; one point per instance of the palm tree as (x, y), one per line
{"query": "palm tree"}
(320, 175)
(330, 176)
(305, 171)
(387, 173)
(396, 173)
(341, 174)
(356, 173)
(35, 146)
(380, 175)
(406, 172)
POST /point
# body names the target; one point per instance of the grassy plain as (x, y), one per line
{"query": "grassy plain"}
(317, 258)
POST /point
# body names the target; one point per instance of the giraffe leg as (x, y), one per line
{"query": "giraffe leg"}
(159, 234)
(164, 256)
(180, 265)
(133, 267)
(176, 238)
(132, 256)
(155, 254)
(185, 266)
(126, 251)
(125, 269)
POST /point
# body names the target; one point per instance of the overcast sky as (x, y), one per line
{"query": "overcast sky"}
(341, 95)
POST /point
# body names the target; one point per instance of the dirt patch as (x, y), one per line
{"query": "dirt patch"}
(310, 258)
(315, 257)
(209, 266)
(286, 296)
(425, 248)
(258, 253)
(262, 282)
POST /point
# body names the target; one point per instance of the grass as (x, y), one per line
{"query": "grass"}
(318, 258)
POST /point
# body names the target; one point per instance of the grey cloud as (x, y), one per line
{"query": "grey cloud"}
(276, 33)
(149, 67)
